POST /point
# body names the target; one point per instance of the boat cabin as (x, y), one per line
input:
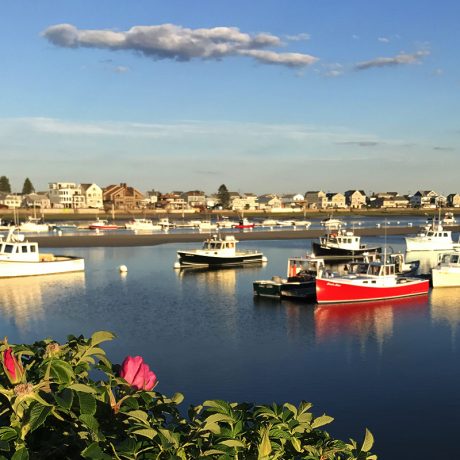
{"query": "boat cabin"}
(344, 240)
(15, 248)
(304, 266)
(381, 269)
(216, 244)
(449, 259)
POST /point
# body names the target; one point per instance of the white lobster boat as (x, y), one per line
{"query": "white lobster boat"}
(143, 225)
(19, 257)
(435, 238)
(447, 272)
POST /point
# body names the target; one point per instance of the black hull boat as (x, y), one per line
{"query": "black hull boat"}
(299, 284)
(189, 258)
(344, 244)
(218, 252)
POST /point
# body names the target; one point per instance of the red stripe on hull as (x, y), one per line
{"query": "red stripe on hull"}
(330, 291)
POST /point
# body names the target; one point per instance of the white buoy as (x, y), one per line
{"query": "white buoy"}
(177, 265)
(59, 233)
(123, 268)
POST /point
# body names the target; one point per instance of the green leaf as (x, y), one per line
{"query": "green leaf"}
(138, 415)
(320, 421)
(90, 422)
(147, 432)
(265, 447)
(64, 398)
(94, 451)
(7, 433)
(177, 398)
(368, 442)
(61, 372)
(21, 454)
(87, 403)
(296, 444)
(232, 443)
(38, 415)
(82, 388)
(214, 418)
(212, 427)
(101, 336)
(221, 406)
(291, 408)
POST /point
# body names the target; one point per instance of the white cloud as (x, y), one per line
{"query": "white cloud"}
(298, 37)
(400, 59)
(170, 41)
(383, 39)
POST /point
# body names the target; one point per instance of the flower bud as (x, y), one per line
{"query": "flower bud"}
(138, 374)
(12, 367)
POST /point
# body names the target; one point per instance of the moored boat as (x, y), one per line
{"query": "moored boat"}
(447, 272)
(217, 252)
(34, 225)
(19, 257)
(435, 238)
(299, 282)
(340, 244)
(102, 224)
(379, 282)
(331, 223)
(244, 223)
(142, 225)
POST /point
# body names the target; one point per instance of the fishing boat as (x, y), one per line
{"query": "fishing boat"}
(331, 223)
(218, 252)
(447, 272)
(34, 225)
(142, 225)
(299, 282)
(19, 257)
(244, 223)
(102, 224)
(225, 222)
(433, 238)
(342, 244)
(207, 226)
(379, 282)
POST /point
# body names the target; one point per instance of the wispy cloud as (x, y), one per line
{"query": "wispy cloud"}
(170, 41)
(298, 37)
(444, 149)
(400, 59)
(383, 40)
(361, 143)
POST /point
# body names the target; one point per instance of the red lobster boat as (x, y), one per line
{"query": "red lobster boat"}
(379, 282)
(102, 224)
(244, 223)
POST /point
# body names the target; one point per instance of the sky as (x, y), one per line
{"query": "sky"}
(264, 96)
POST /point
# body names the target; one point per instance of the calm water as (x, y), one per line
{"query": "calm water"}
(392, 367)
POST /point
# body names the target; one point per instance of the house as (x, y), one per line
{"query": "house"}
(93, 195)
(241, 202)
(424, 199)
(10, 200)
(66, 195)
(335, 200)
(389, 201)
(315, 199)
(172, 201)
(453, 200)
(195, 199)
(269, 202)
(38, 200)
(355, 199)
(122, 197)
(292, 200)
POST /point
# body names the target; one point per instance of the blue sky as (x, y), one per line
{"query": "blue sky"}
(263, 96)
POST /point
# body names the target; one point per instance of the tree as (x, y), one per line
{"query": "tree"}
(27, 187)
(224, 196)
(5, 184)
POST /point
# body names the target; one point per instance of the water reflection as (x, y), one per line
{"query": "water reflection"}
(223, 280)
(445, 306)
(24, 301)
(363, 320)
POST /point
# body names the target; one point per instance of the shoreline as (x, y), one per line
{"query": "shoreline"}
(119, 240)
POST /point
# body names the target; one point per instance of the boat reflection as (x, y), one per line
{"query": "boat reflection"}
(24, 301)
(445, 306)
(365, 319)
(221, 279)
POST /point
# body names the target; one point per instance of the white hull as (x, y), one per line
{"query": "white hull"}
(446, 277)
(34, 228)
(60, 264)
(143, 227)
(421, 244)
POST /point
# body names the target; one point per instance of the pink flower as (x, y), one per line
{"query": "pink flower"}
(12, 367)
(137, 373)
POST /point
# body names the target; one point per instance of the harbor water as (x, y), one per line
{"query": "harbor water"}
(392, 366)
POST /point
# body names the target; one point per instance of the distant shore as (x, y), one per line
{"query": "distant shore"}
(108, 239)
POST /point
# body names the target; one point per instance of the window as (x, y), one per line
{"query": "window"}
(24, 248)
(9, 248)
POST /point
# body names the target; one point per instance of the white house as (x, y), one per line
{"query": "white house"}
(66, 195)
(93, 195)
(10, 200)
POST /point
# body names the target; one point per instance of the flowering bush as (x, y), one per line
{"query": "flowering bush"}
(51, 407)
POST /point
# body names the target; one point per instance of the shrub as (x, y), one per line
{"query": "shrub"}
(53, 407)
